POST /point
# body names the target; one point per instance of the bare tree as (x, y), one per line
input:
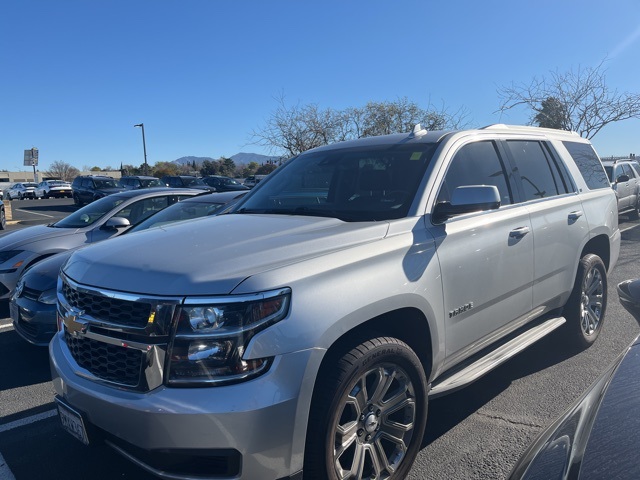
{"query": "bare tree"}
(580, 96)
(293, 130)
(62, 170)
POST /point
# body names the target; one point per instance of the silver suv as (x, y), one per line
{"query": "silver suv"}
(624, 176)
(305, 332)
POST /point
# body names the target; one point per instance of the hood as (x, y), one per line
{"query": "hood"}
(43, 275)
(23, 237)
(211, 256)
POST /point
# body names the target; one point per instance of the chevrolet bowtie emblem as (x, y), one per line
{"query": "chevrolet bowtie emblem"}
(72, 322)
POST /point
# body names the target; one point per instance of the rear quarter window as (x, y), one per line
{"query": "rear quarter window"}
(589, 164)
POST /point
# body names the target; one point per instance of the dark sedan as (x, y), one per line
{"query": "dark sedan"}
(33, 303)
(598, 437)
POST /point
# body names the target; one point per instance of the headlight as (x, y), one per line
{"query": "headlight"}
(211, 338)
(9, 254)
(48, 296)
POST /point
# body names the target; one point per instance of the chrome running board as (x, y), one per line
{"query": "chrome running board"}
(493, 359)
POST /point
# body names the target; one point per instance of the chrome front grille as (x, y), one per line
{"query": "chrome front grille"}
(111, 363)
(116, 337)
(123, 312)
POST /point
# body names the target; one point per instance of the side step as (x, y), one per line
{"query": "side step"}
(485, 364)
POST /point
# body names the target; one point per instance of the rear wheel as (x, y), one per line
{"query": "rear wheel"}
(586, 306)
(3, 219)
(368, 414)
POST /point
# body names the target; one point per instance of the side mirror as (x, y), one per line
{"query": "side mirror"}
(629, 294)
(114, 223)
(468, 199)
(622, 178)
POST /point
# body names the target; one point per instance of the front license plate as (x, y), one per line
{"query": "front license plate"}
(72, 422)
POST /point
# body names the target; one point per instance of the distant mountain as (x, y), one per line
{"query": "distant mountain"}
(246, 158)
(190, 160)
(239, 159)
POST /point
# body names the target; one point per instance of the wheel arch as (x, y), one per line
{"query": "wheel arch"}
(598, 245)
(409, 325)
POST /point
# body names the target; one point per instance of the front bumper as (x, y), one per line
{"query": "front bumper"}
(261, 423)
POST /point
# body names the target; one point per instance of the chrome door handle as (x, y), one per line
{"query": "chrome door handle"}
(519, 232)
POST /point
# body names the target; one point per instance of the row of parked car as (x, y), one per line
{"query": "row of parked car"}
(87, 188)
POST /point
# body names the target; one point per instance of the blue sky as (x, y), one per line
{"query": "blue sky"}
(76, 75)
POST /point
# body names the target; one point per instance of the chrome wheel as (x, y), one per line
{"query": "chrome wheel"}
(591, 302)
(375, 424)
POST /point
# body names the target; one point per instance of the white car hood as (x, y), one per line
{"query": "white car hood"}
(211, 256)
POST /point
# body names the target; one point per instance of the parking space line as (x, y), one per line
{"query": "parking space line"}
(6, 327)
(5, 472)
(27, 421)
(628, 228)
(34, 213)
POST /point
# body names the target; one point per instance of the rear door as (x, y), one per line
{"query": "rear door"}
(559, 223)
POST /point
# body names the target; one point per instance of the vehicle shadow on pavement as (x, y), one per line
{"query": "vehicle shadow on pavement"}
(22, 364)
(448, 411)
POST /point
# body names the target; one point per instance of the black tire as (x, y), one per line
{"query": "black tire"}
(587, 304)
(3, 219)
(374, 398)
(76, 200)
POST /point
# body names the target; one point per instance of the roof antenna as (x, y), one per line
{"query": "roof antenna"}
(418, 131)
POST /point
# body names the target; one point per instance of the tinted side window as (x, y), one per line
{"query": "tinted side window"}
(589, 164)
(629, 171)
(534, 169)
(476, 164)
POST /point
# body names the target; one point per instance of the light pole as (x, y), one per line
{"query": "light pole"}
(144, 146)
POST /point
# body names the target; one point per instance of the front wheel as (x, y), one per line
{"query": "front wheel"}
(368, 414)
(586, 306)
(3, 219)
(76, 200)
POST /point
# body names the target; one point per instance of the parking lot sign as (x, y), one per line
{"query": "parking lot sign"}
(31, 157)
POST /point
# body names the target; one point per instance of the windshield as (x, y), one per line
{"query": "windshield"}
(101, 183)
(91, 213)
(365, 184)
(151, 182)
(57, 183)
(185, 210)
(609, 171)
(30, 185)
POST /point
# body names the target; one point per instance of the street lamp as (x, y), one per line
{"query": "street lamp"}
(144, 146)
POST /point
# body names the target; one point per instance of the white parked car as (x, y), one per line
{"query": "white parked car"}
(21, 191)
(53, 188)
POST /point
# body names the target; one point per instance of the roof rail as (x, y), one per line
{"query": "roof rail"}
(526, 128)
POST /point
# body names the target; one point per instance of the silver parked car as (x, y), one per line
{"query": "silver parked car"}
(21, 191)
(33, 303)
(302, 334)
(624, 176)
(102, 219)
